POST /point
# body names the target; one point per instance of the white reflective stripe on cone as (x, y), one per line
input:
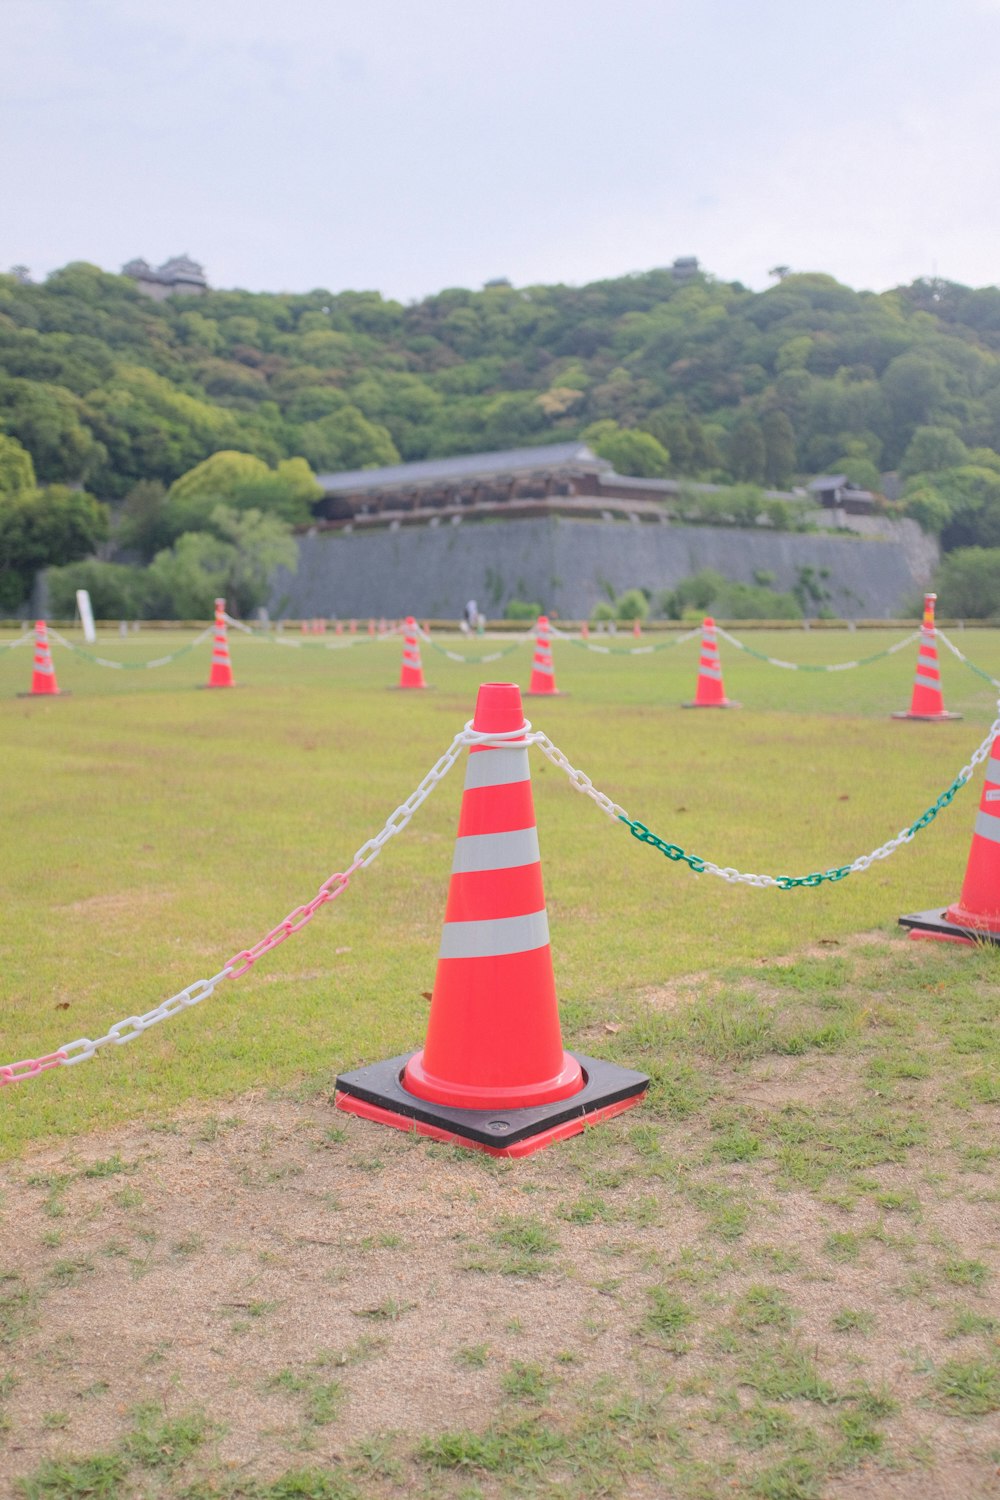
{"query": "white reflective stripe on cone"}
(988, 826)
(496, 768)
(495, 937)
(495, 851)
(711, 672)
(546, 668)
(927, 682)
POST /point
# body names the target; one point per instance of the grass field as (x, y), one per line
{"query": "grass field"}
(776, 1279)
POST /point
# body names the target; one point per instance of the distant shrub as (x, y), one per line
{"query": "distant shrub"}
(521, 609)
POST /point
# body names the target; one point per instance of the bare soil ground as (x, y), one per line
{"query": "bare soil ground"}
(278, 1289)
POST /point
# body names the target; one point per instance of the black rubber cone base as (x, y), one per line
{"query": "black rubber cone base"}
(935, 924)
(376, 1092)
(945, 718)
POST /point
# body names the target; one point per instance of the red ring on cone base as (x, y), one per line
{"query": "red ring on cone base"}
(938, 926)
(416, 1080)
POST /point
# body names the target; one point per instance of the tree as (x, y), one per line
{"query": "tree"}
(968, 583)
(234, 561)
(629, 450)
(346, 440)
(117, 591)
(779, 447)
(243, 482)
(44, 528)
(931, 449)
(142, 526)
(746, 455)
(17, 472)
(47, 419)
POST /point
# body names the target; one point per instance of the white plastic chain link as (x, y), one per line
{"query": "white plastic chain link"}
(103, 661)
(130, 1027)
(21, 640)
(964, 659)
(794, 666)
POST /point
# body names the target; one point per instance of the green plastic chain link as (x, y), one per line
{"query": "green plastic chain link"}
(474, 660)
(862, 661)
(788, 882)
(126, 666)
(602, 650)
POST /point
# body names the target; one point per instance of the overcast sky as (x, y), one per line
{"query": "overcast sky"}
(410, 145)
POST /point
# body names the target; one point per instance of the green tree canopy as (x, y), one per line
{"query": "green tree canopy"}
(630, 451)
(17, 472)
(968, 583)
(234, 561)
(243, 482)
(44, 528)
(346, 440)
(931, 449)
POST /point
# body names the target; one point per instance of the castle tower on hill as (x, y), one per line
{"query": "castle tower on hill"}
(178, 276)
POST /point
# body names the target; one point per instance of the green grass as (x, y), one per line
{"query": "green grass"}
(809, 1124)
(180, 826)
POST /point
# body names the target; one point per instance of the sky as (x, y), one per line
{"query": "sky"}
(410, 145)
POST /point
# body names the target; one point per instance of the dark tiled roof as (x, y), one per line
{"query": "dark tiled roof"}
(466, 466)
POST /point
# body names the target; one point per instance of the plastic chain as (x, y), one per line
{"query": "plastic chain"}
(819, 877)
(572, 640)
(966, 662)
(127, 1030)
(455, 656)
(130, 666)
(795, 666)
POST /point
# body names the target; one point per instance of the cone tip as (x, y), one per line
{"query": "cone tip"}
(708, 623)
(498, 708)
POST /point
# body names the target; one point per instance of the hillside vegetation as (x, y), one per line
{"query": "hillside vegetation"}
(702, 379)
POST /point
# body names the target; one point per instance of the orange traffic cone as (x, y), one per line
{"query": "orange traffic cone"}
(710, 693)
(353, 627)
(371, 627)
(221, 674)
(493, 1073)
(927, 702)
(411, 673)
(543, 673)
(975, 916)
(585, 631)
(43, 674)
(637, 629)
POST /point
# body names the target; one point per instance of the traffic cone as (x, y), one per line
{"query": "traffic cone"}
(411, 673)
(710, 693)
(975, 916)
(339, 628)
(43, 673)
(927, 702)
(585, 631)
(543, 673)
(636, 629)
(221, 674)
(353, 627)
(371, 627)
(492, 1073)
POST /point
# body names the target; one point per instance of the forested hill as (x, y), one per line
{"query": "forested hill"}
(106, 387)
